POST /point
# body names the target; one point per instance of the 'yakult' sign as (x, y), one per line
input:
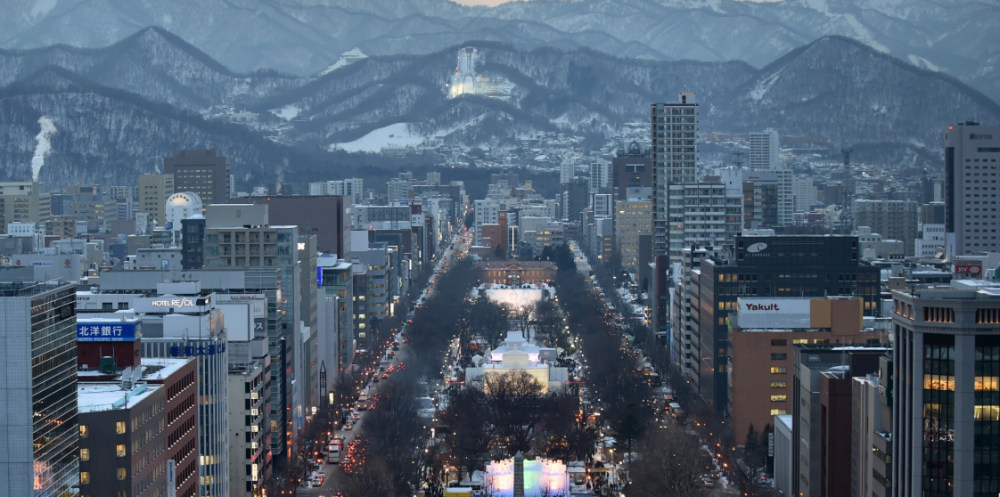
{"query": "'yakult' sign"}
(773, 312)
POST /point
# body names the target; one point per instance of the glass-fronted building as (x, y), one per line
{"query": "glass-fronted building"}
(39, 392)
(946, 410)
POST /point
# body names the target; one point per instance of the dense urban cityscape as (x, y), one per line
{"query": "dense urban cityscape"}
(310, 296)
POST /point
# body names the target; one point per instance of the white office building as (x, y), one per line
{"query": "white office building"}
(764, 150)
(971, 156)
(600, 176)
(182, 321)
(805, 193)
(487, 212)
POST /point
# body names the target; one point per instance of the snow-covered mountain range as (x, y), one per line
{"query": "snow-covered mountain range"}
(118, 109)
(305, 36)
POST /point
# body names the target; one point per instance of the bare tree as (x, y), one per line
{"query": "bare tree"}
(514, 406)
(669, 463)
(490, 320)
(522, 317)
(468, 433)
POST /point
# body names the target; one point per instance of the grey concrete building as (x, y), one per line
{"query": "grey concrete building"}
(946, 405)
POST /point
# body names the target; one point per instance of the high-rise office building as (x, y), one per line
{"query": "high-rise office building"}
(398, 190)
(805, 194)
(182, 321)
(703, 213)
(23, 202)
(771, 266)
(946, 374)
(154, 190)
(764, 150)
(567, 171)
(674, 135)
(41, 432)
(768, 198)
(631, 167)
(971, 155)
(204, 172)
(487, 212)
(633, 218)
(893, 219)
(327, 217)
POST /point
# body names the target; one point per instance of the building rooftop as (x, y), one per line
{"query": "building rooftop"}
(109, 396)
(27, 289)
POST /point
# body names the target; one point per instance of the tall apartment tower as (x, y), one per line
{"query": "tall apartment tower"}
(41, 430)
(764, 150)
(971, 153)
(946, 389)
(204, 172)
(154, 190)
(674, 134)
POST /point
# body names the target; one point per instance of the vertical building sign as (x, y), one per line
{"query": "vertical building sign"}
(171, 478)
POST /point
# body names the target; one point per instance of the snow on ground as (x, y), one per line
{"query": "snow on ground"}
(391, 135)
(347, 58)
(287, 112)
(922, 62)
(396, 135)
(762, 87)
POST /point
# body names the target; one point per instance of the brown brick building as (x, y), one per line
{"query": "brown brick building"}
(525, 271)
(130, 429)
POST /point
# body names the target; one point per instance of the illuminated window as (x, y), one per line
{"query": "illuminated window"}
(84, 454)
(776, 412)
(939, 382)
(779, 384)
(800, 341)
(84, 431)
(987, 413)
(120, 427)
(779, 398)
(84, 477)
(122, 474)
(120, 450)
(778, 370)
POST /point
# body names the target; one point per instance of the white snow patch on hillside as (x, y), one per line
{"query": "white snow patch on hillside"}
(287, 112)
(347, 58)
(392, 135)
(43, 145)
(922, 62)
(42, 7)
(763, 86)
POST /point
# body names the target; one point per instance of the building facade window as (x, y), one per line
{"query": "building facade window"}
(938, 415)
(987, 416)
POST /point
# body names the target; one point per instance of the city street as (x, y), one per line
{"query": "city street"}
(333, 472)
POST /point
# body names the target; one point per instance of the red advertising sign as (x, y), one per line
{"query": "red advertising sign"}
(972, 269)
